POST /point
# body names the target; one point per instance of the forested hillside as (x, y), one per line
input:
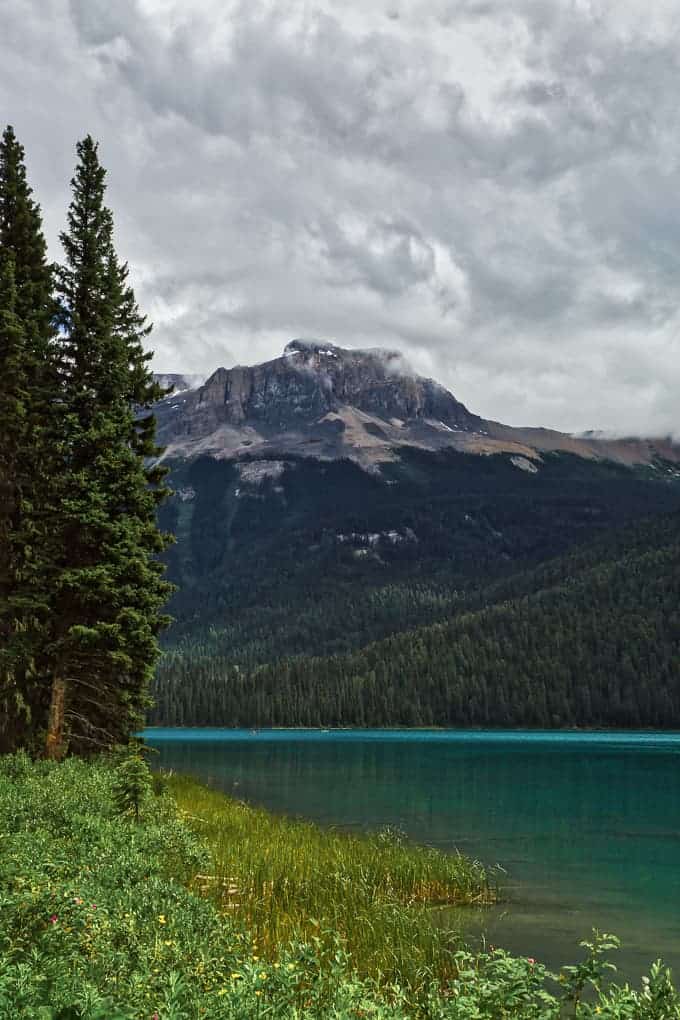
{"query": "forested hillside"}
(590, 638)
(247, 552)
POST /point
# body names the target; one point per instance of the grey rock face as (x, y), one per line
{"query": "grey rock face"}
(310, 380)
(319, 400)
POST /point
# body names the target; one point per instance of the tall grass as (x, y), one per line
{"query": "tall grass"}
(287, 879)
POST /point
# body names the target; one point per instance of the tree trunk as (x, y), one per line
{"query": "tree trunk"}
(54, 745)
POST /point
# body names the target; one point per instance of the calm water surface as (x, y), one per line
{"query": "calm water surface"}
(587, 826)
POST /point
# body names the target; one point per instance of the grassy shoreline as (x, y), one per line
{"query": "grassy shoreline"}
(287, 879)
(201, 907)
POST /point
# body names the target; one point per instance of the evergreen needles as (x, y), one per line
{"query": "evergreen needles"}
(81, 586)
(131, 786)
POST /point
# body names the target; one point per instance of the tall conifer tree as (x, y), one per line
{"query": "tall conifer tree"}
(29, 402)
(109, 589)
(13, 702)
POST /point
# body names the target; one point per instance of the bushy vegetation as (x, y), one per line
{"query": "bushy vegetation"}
(101, 918)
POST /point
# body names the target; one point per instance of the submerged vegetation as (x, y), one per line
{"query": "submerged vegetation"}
(106, 917)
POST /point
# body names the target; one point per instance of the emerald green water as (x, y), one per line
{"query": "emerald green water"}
(587, 826)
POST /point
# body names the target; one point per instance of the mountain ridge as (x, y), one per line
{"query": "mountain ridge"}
(327, 402)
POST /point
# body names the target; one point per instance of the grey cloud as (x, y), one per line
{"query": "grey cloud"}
(490, 187)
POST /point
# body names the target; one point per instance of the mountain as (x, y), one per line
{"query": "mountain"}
(330, 501)
(327, 402)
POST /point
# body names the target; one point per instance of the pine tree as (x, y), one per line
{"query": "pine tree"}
(21, 233)
(28, 398)
(12, 429)
(109, 590)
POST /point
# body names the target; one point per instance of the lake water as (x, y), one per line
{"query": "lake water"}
(586, 826)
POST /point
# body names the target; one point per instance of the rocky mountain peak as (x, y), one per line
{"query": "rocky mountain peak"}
(329, 402)
(312, 379)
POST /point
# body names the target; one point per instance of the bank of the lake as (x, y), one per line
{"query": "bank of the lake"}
(586, 824)
(119, 899)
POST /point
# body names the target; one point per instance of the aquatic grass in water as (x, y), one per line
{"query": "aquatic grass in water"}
(287, 879)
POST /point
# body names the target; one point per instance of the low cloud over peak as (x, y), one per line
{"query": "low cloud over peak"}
(489, 187)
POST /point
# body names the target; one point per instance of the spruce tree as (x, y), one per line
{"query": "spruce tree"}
(21, 233)
(28, 419)
(109, 588)
(13, 703)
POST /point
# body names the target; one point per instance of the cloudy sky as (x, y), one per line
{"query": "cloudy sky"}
(490, 186)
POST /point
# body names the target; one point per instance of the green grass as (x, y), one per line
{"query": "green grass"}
(106, 917)
(286, 879)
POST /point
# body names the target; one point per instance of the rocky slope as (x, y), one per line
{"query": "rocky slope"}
(327, 402)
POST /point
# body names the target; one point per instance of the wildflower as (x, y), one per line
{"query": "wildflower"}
(53, 919)
(93, 906)
(531, 960)
(263, 976)
(258, 993)
(234, 977)
(161, 919)
(291, 966)
(78, 900)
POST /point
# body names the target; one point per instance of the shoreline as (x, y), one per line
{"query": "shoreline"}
(254, 730)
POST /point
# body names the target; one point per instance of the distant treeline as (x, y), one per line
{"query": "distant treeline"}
(591, 638)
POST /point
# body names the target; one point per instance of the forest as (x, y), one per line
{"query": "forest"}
(473, 624)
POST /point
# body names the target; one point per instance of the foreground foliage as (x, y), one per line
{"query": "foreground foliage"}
(97, 921)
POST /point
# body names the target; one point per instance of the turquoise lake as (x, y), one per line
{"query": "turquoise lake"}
(585, 825)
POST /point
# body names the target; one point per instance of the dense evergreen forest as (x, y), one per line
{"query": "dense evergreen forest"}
(485, 596)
